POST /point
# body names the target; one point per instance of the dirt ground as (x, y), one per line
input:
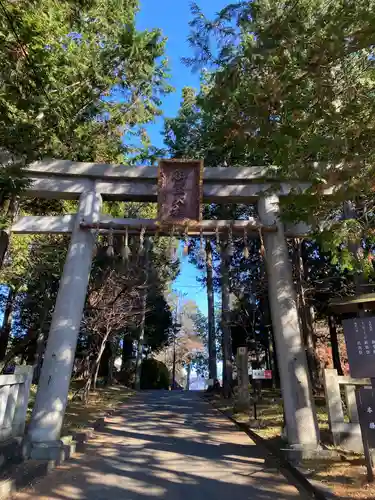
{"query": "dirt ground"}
(100, 402)
(346, 476)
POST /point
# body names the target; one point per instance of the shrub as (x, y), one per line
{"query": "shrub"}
(154, 375)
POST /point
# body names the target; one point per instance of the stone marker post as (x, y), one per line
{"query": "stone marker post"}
(242, 402)
(334, 404)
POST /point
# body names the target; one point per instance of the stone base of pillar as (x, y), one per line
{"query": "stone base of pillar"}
(48, 450)
(297, 454)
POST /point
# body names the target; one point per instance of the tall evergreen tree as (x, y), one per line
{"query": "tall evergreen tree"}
(291, 85)
(78, 81)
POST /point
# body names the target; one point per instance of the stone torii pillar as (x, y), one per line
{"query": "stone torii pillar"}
(49, 409)
(301, 422)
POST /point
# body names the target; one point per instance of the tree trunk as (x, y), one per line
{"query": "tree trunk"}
(309, 340)
(97, 367)
(99, 357)
(112, 359)
(272, 358)
(350, 212)
(334, 344)
(12, 212)
(93, 375)
(18, 349)
(225, 325)
(40, 343)
(212, 362)
(276, 376)
(4, 243)
(188, 373)
(141, 338)
(305, 315)
(127, 350)
(7, 324)
(174, 357)
(265, 307)
(38, 357)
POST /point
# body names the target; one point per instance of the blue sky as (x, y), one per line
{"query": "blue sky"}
(172, 17)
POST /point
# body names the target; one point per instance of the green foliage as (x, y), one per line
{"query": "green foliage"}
(292, 83)
(289, 85)
(154, 375)
(75, 78)
(322, 280)
(158, 320)
(78, 81)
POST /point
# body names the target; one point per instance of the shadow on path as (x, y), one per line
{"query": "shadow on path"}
(166, 445)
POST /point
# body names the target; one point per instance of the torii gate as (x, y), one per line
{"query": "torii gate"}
(90, 182)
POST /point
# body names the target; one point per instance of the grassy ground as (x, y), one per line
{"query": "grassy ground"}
(346, 475)
(79, 415)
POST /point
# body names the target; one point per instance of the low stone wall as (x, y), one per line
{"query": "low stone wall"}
(14, 399)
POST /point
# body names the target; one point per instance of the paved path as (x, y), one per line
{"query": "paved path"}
(167, 446)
